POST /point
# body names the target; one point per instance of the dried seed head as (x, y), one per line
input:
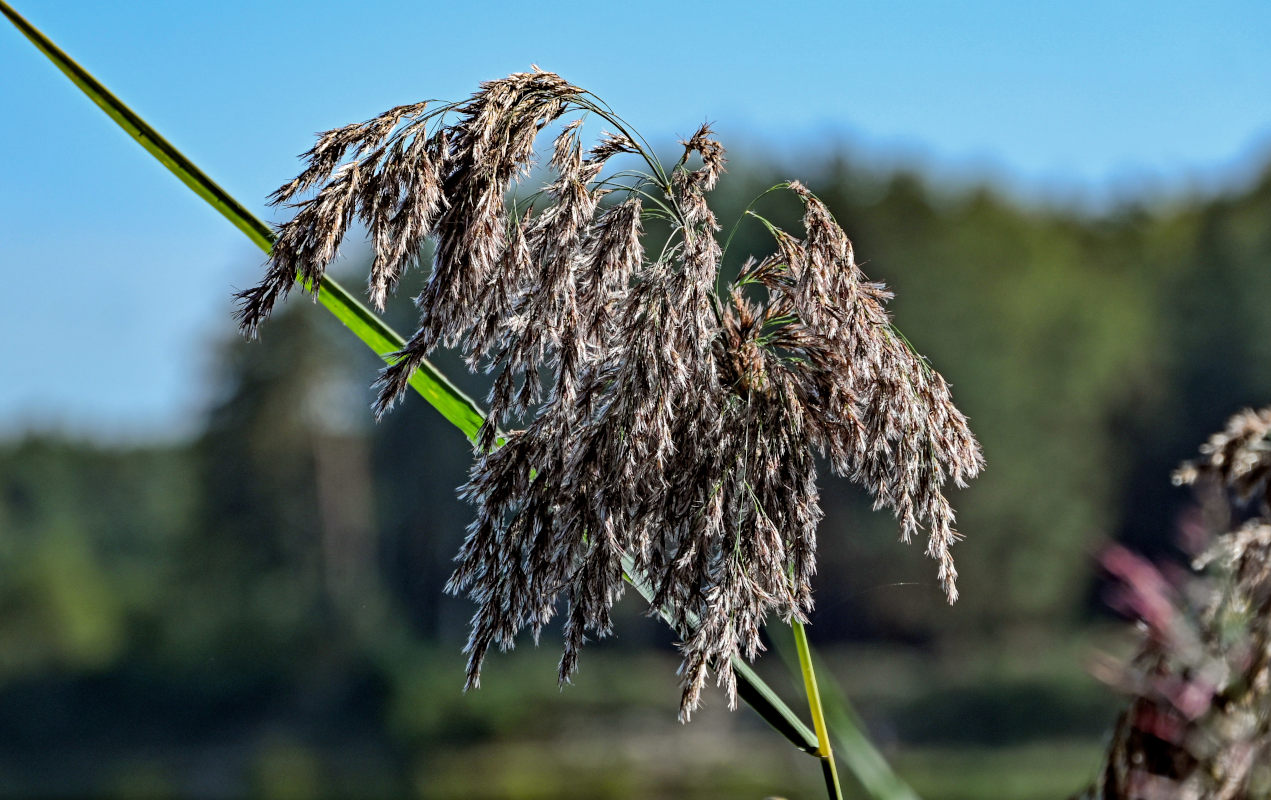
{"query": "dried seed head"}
(675, 435)
(1237, 458)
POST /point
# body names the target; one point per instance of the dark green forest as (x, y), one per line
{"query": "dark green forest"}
(259, 610)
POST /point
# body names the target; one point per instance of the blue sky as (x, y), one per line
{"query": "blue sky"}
(119, 278)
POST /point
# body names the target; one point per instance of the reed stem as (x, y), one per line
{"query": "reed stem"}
(824, 750)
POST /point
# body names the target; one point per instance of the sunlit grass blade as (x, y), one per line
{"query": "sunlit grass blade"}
(146, 136)
(430, 383)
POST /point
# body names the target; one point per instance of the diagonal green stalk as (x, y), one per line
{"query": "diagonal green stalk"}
(430, 383)
(825, 751)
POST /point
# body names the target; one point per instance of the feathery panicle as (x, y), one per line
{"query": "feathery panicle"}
(677, 427)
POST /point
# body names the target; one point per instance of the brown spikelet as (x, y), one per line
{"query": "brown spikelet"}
(391, 182)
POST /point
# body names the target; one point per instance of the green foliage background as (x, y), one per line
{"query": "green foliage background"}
(259, 610)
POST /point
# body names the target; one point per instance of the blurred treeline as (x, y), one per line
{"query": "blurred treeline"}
(259, 610)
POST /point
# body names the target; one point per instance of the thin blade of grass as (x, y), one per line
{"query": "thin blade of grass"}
(430, 383)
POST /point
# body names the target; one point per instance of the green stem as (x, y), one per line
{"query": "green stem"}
(862, 759)
(824, 751)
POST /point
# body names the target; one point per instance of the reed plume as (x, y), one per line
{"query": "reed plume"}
(670, 427)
